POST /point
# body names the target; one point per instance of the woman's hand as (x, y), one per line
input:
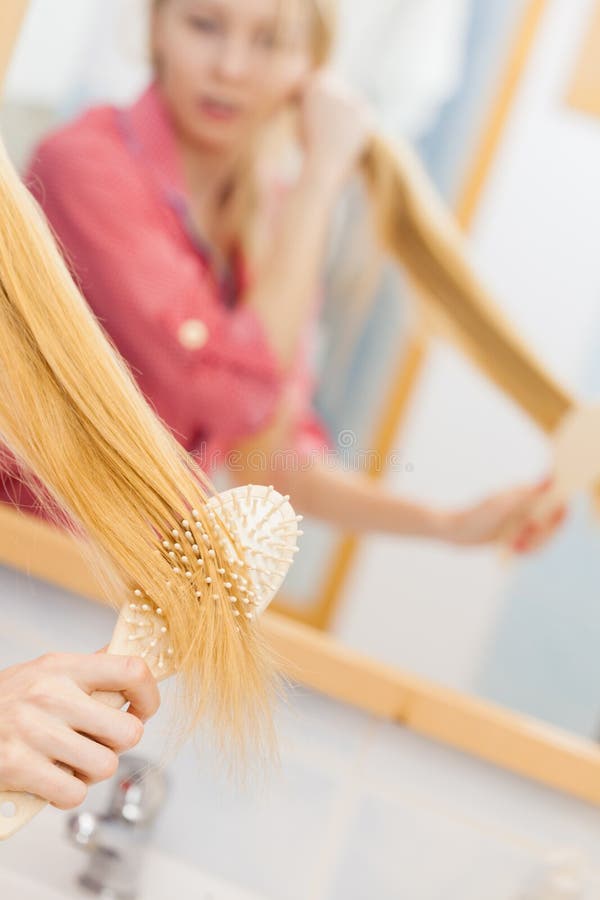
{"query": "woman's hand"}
(47, 716)
(336, 126)
(504, 517)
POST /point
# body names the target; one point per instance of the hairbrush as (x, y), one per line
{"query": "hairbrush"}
(255, 520)
(575, 467)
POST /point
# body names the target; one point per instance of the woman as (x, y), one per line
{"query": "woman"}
(205, 272)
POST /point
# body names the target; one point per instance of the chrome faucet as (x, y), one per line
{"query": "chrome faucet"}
(116, 840)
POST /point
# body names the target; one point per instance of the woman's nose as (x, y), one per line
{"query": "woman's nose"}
(235, 59)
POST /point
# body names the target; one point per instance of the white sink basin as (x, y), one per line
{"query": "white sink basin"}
(13, 887)
(39, 863)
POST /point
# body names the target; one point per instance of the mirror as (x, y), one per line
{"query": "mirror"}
(479, 87)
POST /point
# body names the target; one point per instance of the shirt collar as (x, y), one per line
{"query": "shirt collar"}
(149, 133)
(148, 130)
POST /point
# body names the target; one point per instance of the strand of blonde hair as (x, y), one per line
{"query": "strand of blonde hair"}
(419, 232)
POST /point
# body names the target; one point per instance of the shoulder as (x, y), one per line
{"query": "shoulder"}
(92, 140)
(84, 167)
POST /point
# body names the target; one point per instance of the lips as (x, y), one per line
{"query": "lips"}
(219, 110)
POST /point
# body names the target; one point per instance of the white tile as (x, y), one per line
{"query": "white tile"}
(313, 727)
(401, 852)
(263, 838)
(402, 764)
(47, 618)
(269, 835)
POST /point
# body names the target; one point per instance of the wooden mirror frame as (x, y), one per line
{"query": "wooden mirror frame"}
(514, 742)
(11, 19)
(584, 90)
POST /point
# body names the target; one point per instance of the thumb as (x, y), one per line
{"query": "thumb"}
(544, 485)
(514, 502)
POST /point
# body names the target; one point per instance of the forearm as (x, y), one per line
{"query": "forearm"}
(287, 282)
(355, 503)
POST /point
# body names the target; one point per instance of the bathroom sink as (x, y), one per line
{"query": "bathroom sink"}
(14, 887)
(39, 863)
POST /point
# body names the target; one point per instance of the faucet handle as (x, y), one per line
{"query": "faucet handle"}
(116, 839)
(139, 793)
(83, 829)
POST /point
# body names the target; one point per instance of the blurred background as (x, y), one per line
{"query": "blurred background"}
(495, 96)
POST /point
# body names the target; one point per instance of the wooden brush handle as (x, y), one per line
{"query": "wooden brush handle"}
(27, 806)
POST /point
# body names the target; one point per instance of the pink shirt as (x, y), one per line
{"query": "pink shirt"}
(112, 189)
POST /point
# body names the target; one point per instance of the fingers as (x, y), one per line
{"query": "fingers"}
(80, 732)
(128, 675)
(117, 730)
(523, 500)
(544, 485)
(24, 769)
(535, 534)
(93, 761)
(140, 688)
(535, 517)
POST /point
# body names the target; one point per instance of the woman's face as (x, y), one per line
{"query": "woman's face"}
(226, 66)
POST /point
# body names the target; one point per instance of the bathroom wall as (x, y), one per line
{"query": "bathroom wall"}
(358, 808)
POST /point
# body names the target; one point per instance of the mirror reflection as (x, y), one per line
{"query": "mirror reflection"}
(213, 175)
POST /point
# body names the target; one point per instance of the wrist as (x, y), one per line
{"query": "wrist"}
(439, 525)
(415, 520)
(322, 177)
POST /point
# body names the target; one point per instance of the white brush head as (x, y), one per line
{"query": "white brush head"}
(265, 527)
(264, 532)
(142, 631)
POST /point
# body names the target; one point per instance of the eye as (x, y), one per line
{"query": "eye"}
(266, 39)
(204, 24)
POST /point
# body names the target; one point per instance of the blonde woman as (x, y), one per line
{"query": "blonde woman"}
(205, 271)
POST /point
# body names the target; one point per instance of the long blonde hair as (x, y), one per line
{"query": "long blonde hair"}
(72, 414)
(416, 229)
